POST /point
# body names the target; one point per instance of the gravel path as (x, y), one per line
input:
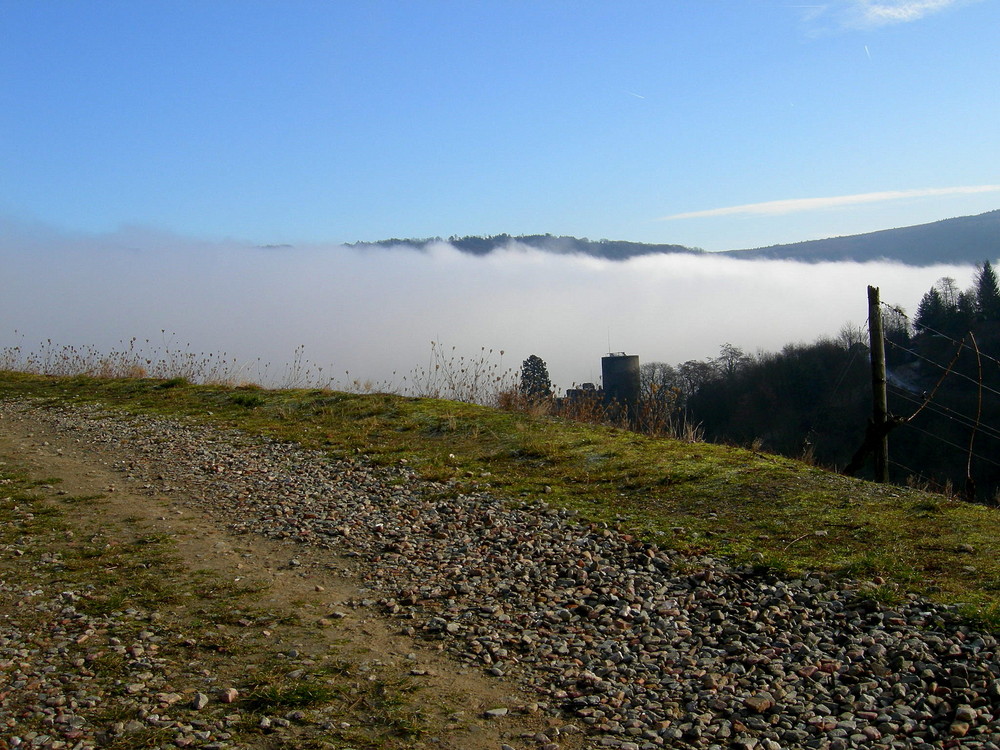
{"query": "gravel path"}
(640, 648)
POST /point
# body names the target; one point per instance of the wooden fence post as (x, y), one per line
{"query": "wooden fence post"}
(880, 403)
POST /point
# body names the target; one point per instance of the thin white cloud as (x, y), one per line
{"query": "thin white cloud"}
(799, 205)
(871, 14)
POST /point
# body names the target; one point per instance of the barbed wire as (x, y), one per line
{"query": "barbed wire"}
(902, 312)
(979, 406)
(973, 423)
(943, 411)
(956, 446)
(912, 472)
(949, 443)
(938, 365)
(847, 369)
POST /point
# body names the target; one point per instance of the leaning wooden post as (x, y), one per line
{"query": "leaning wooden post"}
(880, 403)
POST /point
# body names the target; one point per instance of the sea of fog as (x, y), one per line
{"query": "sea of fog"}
(371, 314)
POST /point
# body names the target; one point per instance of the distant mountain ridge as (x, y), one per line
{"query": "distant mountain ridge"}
(965, 239)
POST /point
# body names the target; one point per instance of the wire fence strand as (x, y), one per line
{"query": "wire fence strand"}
(929, 400)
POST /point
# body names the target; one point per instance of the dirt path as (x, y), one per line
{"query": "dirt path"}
(298, 584)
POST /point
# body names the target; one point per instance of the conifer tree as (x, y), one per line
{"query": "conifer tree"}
(966, 311)
(987, 293)
(896, 329)
(535, 383)
(930, 311)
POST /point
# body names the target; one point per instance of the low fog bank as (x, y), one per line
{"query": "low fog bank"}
(373, 313)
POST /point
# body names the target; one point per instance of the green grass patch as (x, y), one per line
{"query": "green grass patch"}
(172, 383)
(248, 400)
(274, 698)
(883, 594)
(694, 497)
(984, 616)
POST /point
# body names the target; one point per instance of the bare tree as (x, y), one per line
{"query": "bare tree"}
(656, 381)
(731, 360)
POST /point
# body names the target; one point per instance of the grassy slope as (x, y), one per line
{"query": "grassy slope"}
(753, 507)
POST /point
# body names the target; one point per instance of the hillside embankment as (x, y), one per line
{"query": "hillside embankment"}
(515, 622)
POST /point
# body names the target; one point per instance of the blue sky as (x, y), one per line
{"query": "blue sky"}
(716, 124)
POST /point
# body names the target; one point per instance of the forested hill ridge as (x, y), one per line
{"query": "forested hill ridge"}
(484, 245)
(965, 239)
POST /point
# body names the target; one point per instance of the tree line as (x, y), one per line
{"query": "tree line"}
(814, 400)
(946, 310)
